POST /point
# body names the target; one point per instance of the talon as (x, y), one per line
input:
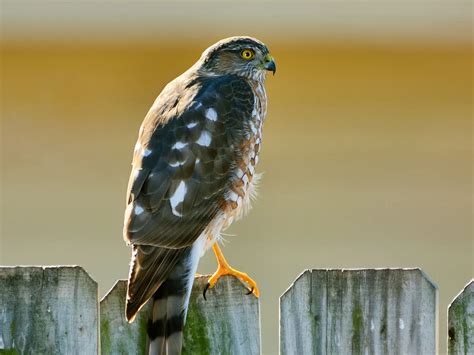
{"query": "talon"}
(205, 290)
(223, 268)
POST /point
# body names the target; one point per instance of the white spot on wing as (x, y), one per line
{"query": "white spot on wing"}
(176, 164)
(198, 105)
(204, 139)
(178, 197)
(146, 152)
(401, 324)
(179, 145)
(138, 210)
(192, 124)
(211, 114)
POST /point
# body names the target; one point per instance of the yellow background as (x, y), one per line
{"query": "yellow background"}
(366, 153)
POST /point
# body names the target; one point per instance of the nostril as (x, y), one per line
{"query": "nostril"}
(268, 58)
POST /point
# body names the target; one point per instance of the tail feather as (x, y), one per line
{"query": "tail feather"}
(170, 305)
(166, 324)
(150, 267)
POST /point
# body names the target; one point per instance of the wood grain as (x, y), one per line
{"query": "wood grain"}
(48, 310)
(117, 336)
(227, 323)
(387, 311)
(461, 322)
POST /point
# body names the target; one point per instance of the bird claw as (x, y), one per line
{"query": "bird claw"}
(205, 290)
(208, 285)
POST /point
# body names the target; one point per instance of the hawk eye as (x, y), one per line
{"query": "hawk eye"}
(247, 54)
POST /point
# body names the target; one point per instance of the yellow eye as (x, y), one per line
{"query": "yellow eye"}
(247, 54)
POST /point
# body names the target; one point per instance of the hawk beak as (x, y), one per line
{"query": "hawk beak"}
(270, 64)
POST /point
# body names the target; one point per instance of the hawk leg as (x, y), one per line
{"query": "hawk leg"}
(223, 268)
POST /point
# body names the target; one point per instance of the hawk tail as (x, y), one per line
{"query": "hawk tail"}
(149, 269)
(170, 306)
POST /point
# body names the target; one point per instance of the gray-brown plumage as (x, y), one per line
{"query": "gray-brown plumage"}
(193, 174)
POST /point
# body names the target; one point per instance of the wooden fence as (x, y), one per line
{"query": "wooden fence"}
(56, 310)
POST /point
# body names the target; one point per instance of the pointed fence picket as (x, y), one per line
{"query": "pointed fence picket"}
(367, 311)
(55, 310)
(228, 322)
(117, 336)
(48, 310)
(461, 322)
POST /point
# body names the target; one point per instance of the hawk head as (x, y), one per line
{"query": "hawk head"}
(243, 56)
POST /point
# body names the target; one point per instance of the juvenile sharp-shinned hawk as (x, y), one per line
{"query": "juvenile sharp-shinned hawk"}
(193, 174)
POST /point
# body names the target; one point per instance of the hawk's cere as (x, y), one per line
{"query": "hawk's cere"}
(193, 174)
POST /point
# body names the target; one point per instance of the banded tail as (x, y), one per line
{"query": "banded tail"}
(170, 290)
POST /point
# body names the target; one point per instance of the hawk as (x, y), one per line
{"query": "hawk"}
(193, 174)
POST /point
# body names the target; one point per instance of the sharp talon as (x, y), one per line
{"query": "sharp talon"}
(205, 290)
(250, 291)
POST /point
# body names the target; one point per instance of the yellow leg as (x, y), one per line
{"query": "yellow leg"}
(223, 268)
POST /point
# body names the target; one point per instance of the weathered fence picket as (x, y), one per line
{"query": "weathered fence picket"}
(48, 310)
(389, 311)
(461, 322)
(227, 323)
(117, 336)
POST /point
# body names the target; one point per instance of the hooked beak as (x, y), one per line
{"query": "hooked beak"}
(270, 64)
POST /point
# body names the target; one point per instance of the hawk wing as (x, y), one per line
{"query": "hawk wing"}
(184, 159)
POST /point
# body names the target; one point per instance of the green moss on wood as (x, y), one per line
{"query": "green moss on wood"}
(105, 341)
(460, 316)
(356, 329)
(12, 328)
(142, 333)
(9, 352)
(195, 337)
(316, 324)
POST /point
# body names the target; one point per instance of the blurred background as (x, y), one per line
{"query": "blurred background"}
(367, 145)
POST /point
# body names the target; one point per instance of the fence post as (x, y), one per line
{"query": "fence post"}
(227, 323)
(48, 310)
(461, 322)
(389, 311)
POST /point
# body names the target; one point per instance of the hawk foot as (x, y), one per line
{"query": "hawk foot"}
(223, 268)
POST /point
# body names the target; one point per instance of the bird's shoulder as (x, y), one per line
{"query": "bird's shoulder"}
(190, 92)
